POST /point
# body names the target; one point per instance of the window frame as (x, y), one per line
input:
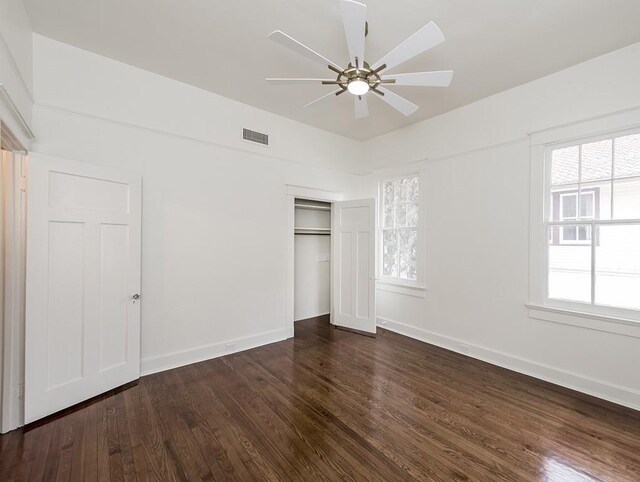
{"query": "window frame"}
(391, 281)
(541, 222)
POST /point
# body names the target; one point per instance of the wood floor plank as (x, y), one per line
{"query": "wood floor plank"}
(467, 434)
(332, 405)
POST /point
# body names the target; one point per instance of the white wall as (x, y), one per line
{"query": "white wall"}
(86, 83)
(599, 86)
(477, 221)
(16, 63)
(214, 207)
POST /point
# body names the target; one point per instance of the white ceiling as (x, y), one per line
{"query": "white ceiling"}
(222, 46)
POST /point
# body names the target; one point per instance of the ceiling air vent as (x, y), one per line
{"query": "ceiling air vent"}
(253, 136)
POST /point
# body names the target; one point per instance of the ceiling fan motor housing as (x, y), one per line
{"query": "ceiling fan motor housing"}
(362, 73)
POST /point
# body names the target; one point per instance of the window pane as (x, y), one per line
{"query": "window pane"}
(587, 205)
(627, 156)
(618, 266)
(595, 200)
(390, 253)
(575, 234)
(596, 160)
(400, 189)
(407, 241)
(413, 189)
(584, 233)
(412, 215)
(626, 199)
(570, 271)
(387, 189)
(401, 215)
(564, 166)
(570, 233)
(388, 216)
(569, 208)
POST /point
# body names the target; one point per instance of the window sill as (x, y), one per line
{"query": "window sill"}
(591, 321)
(401, 288)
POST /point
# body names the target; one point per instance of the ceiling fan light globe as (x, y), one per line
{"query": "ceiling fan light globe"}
(358, 87)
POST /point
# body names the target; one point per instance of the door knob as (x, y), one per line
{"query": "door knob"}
(135, 297)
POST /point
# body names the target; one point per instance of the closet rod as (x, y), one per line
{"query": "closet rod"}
(313, 207)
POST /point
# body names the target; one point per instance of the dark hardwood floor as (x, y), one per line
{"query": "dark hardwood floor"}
(332, 405)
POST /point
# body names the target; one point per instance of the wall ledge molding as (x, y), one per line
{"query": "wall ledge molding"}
(620, 395)
(207, 352)
(184, 137)
(597, 125)
(422, 163)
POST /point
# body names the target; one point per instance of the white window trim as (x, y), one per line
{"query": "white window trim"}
(586, 315)
(399, 285)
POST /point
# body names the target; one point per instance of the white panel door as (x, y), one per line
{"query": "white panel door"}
(353, 253)
(83, 270)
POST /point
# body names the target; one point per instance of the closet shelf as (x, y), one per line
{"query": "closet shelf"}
(300, 228)
(313, 207)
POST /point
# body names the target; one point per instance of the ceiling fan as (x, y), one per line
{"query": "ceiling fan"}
(360, 77)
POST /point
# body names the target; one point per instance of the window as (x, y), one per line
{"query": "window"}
(593, 223)
(399, 224)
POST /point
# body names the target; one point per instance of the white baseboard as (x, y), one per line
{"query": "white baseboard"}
(614, 393)
(207, 352)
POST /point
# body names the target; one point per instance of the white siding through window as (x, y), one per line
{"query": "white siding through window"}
(593, 222)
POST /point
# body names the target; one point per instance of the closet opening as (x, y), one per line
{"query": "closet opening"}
(312, 260)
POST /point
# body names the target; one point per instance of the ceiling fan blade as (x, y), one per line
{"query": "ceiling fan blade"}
(424, 39)
(284, 81)
(441, 78)
(354, 17)
(324, 97)
(399, 103)
(291, 43)
(362, 107)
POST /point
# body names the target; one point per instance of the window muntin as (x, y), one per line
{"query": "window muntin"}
(399, 225)
(593, 222)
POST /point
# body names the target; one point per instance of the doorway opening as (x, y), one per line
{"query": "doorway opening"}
(13, 186)
(312, 259)
(347, 254)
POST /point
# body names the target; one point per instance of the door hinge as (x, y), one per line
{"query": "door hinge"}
(20, 391)
(23, 184)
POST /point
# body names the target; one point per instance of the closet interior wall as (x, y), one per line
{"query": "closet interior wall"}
(312, 291)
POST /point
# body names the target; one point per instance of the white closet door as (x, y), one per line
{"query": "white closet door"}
(83, 275)
(353, 252)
